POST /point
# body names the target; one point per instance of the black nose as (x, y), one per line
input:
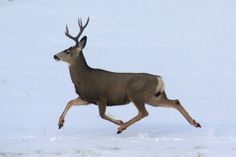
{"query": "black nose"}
(56, 58)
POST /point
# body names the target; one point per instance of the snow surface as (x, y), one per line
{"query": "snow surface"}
(191, 44)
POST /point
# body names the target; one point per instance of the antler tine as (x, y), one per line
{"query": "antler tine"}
(80, 22)
(81, 27)
(67, 33)
(76, 38)
(86, 22)
(67, 30)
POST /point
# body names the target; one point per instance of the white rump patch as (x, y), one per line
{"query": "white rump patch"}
(160, 85)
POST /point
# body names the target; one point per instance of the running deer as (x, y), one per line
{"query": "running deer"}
(104, 88)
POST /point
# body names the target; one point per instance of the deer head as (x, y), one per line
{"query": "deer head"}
(70, 54)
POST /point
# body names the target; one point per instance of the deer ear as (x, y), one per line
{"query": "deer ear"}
(82, 42)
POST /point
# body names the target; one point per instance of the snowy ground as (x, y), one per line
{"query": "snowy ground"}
(190, 43)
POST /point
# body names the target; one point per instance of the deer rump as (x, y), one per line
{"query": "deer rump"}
(116, 88)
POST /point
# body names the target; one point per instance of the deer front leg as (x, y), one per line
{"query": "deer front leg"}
(102, 110)
(78, 101)
(142, 113)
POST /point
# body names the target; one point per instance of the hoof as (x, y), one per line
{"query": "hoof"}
(120, 129)
(60, 126)
(118, 132)
(198, 125)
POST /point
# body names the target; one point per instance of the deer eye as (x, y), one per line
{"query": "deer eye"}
(67, 51)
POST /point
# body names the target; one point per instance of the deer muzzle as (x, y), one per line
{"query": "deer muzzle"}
(56, 58)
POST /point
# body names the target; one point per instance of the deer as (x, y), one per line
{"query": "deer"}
(105, 88)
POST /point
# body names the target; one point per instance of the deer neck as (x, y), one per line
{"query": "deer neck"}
(78, 69)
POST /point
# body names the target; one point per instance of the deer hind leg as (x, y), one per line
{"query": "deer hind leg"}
(102, 113)
(78, 101)
(163, 101)
(142, 112)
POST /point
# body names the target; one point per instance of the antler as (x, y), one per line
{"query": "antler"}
(76, 38)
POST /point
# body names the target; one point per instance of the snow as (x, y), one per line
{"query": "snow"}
(191, 44)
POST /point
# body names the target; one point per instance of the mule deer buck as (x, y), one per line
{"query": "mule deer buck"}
(105, 88)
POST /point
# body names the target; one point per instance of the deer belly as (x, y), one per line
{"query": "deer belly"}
(114, 100)
(112, 97)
